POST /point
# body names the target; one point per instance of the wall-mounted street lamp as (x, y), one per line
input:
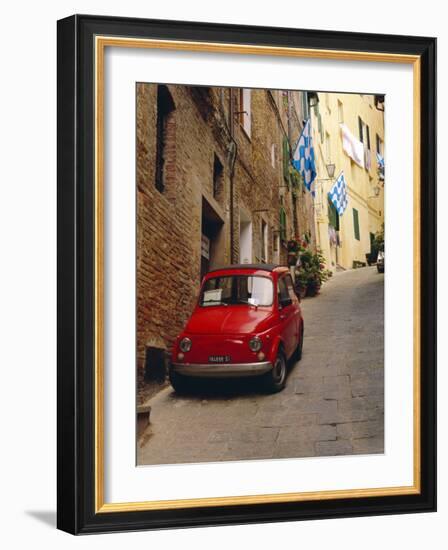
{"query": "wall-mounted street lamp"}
(331, 167)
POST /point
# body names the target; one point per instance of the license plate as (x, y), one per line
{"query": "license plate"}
(219, 358)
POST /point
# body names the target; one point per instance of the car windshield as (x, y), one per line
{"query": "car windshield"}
(237, 289)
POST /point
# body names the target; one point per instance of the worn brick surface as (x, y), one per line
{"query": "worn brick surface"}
(169, 222)
(320, 412)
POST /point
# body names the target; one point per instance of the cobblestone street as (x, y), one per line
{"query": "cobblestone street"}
(333, 403)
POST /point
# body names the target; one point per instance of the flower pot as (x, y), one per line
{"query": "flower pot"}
(302, 292)
(313, 289)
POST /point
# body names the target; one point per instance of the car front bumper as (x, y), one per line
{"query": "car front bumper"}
(221, 370)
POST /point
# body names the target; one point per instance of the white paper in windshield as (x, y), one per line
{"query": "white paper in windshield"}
(212, 295)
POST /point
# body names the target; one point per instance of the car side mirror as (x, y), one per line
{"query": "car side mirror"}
(285, 302)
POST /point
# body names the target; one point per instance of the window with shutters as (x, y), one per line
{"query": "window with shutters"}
(361, 129)
(165, 138)
(356, 224)
(245, 114)
(364, 137)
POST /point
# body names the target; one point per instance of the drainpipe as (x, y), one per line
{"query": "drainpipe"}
(294, 200)
(232, 159)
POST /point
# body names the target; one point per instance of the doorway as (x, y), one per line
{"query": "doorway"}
(212, 235)
(245, 237)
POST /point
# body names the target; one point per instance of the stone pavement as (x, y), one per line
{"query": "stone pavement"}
(333, 403)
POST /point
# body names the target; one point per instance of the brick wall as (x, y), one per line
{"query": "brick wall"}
(170, 223)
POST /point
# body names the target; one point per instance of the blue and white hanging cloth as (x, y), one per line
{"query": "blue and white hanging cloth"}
(303, 157)
(338, 194)
(380, 161)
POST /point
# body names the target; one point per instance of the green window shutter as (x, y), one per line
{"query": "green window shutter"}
(282, 224)
(333, 216)
(320, 126)
(286, 159)
(356, 224)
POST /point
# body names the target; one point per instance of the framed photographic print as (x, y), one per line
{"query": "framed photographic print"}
(232, 347)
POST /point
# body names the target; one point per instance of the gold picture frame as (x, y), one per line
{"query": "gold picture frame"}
(98, 34)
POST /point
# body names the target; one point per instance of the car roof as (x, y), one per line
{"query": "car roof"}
(251, 267)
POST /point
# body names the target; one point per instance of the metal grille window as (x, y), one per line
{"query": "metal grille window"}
(165, 113)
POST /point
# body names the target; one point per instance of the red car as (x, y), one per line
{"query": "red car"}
(247, 322)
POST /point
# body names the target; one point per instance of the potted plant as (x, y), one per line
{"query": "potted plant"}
(311, 272)
(301, 283)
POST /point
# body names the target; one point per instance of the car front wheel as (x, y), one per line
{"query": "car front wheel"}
(275, 379)
(180, 383)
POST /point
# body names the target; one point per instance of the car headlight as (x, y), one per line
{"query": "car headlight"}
(185, 344)
(255, 343)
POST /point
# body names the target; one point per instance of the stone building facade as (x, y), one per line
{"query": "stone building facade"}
(214, 187)
(346, 240)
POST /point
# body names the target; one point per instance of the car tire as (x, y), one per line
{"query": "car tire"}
(298, 351)
(180, 384)
(275, 379)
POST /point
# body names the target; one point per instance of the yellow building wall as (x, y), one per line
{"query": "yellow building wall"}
(365, 190)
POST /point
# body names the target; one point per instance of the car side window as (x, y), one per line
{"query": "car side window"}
(283, 293)
(290, 288)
